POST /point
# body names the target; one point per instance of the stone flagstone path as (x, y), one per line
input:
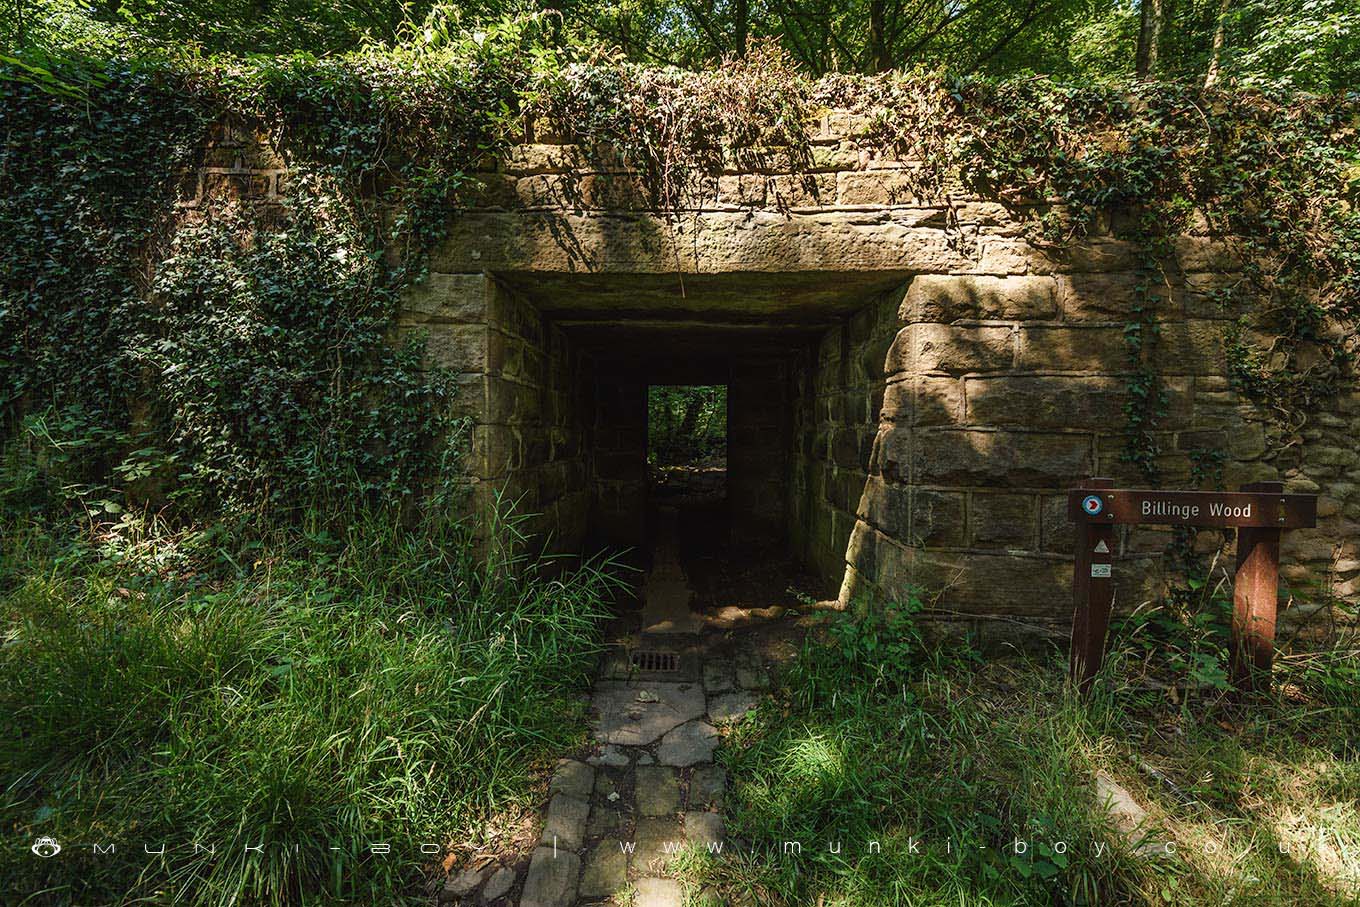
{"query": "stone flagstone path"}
(615, 821)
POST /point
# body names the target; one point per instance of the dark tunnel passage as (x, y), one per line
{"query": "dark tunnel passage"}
(729, 526)
(800, 366)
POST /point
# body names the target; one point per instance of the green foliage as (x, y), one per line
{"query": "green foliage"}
(1309, 44)
(874, 734)
(242, 357)
(274, 370)
(1306, 44)
(1185, 638)
(883, 647)
(686, 423)
(1273, 175)
(81, 186)
(301, 690)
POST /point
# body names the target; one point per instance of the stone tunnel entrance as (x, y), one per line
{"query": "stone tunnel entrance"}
(913, 382)
(904, 416)
(802, 360)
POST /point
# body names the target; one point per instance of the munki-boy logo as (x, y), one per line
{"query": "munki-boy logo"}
(46, 847)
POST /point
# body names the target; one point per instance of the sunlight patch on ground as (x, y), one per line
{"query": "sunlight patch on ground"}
(814, 761)
(1327, 839)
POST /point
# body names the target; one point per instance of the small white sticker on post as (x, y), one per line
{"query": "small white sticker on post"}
(1100, 571)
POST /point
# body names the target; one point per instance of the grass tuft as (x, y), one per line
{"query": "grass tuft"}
(312, 692)
(876, 738)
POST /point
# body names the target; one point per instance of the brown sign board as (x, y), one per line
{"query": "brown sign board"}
(1229, 509)
(1260, 511)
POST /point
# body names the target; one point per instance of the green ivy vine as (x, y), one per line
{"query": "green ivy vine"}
(1276, 175)
(229, 357)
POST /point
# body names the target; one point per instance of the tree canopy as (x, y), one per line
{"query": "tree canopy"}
(1312, 45)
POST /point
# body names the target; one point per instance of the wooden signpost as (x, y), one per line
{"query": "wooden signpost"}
(1259, 512)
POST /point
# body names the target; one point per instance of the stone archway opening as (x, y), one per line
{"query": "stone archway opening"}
(726, 531)
(800, 360)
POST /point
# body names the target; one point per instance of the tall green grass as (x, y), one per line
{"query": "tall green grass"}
(313, 692)
(875, 734)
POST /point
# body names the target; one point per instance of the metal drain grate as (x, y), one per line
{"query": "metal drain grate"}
(652, 660)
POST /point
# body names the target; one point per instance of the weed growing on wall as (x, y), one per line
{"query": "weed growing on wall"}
(1278, 177)
(681, 129)
(230, 355)
(378, 147)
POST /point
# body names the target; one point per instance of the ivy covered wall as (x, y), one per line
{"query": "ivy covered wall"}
(203, 295)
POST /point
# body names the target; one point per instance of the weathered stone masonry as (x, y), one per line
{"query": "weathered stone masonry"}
(913, 384)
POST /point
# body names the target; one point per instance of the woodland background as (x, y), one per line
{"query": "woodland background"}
(1312, 45)
(237, 597)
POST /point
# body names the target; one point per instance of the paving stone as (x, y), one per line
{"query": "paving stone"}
(719, 677)
(707, 784)
(566, 821)
(689, 743)
(653, 892)
(657, 791)
(611, 756)
(466, 882)
(704, 827)
(752, 677)
(572, 778)
(727, 706)
(637, 713)
(1128, 817)
(499, 884)
(551, 881)
(657, 840)
(665, 604)
(606, 819)
(605, 872)
(605, 785)
(616, 665)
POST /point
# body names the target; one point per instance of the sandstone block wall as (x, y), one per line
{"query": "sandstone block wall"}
(759, 451)
(536, 422)
(840, 392)
(959, 377)
(525, 388)
(619, 460)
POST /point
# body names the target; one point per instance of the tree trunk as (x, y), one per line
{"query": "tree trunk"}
(694, 404)
(880, 60)
(741, 13)
(1220, 36)
(20, 25)
(1149, 37)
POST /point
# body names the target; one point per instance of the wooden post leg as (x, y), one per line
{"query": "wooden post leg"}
(1255, 598)
(1081, 602)
(1093, 595)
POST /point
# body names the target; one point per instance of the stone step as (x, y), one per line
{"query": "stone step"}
(551, 881)
(655, 892)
